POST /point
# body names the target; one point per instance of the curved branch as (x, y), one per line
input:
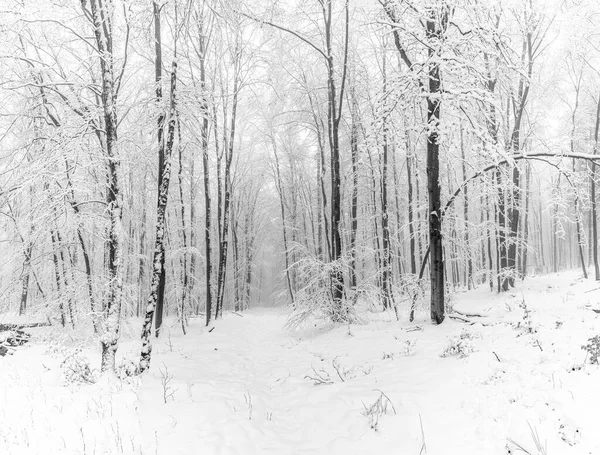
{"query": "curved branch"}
(531, 156)
(287, 30)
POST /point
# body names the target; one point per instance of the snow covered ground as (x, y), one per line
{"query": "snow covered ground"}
(249, 387)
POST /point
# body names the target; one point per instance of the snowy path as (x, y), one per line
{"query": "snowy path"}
(242, 389)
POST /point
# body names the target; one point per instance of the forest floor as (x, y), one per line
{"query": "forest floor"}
(250, 387)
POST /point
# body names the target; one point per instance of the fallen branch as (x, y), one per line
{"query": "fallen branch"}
(469, 315)
(27, 325)
(467, 320)
(10, 339)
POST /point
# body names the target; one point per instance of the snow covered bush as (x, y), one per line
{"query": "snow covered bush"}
(76, 369)
(314, 300)
(127, 369)
(593, 349)
(526, 324)
(460, 345)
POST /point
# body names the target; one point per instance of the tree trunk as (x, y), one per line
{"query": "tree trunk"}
(159, 244)
(283, 222)
(593, 197)
(185, 279)
(411, 228)
(109, 339)
(161, 154)
(525, 246)
(224, 236)
(354, 202)
(206, 172)
(435, 28)
(469, 278)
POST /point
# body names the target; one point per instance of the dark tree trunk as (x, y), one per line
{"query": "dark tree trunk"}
(435, 28)
(386, 262)
(206, 172)
(224, 228)
(334, 113)
(161, 154)
(411, 227)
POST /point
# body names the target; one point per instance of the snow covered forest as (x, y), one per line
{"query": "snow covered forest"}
(299, 227)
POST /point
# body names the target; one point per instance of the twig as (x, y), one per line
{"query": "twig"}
(497, 358)
(467, 320)
(469, 315)
(387, 398)
(423, 446)
(319, 378)
(336, 367)
(416, 328)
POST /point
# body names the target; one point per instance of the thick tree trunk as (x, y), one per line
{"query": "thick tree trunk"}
(334, 113)
(109, 339)
(435, 28)
(161, 153)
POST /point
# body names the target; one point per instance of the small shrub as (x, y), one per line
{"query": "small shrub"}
(314, 301)
(460, 345)
(168, 392)
(127, 369)
(76, 369)
(409, 347)
(526, 324)
(593, 349)
(377, 409)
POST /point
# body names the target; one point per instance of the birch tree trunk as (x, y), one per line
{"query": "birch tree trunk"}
(159, 244)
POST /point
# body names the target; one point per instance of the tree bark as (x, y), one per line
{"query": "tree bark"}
(435, 29)
(161, 228)
(593, 197)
